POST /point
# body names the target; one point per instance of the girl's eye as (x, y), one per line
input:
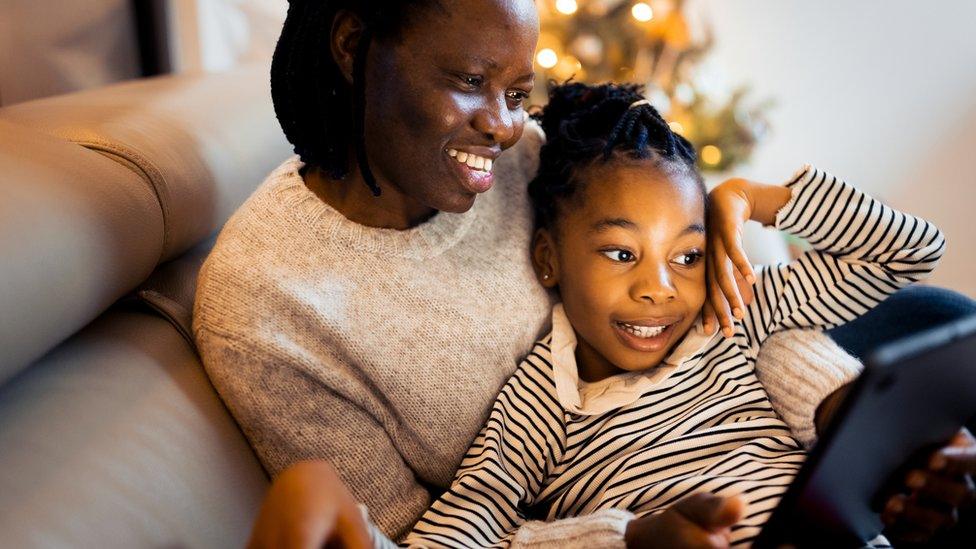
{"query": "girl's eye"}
(621, 256)
(688, 259)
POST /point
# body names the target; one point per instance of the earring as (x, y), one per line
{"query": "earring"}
(545, 276)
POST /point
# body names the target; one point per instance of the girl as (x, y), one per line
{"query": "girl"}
(629, 403)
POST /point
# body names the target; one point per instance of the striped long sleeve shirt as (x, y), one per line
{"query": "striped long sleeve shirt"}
(699, 422)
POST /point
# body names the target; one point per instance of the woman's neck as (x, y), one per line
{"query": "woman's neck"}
(351, 197)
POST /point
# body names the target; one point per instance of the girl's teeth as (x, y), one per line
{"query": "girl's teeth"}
(643, 331)
(473, 161)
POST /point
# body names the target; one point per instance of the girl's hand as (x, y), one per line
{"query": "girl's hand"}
(935, 494)
(699, 520)
(308, 507)
(731, 204)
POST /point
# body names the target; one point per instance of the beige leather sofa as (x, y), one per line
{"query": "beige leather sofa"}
(110, 433)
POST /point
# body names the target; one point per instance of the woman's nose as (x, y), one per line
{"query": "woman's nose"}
(653, 284)
(496, 121)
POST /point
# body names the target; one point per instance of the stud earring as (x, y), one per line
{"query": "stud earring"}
(545, 276)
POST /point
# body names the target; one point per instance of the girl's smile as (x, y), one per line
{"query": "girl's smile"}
(646, 335)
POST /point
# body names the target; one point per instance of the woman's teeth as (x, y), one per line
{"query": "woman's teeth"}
(473, 161)
(643, 331)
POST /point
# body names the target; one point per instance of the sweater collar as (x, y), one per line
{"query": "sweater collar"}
(427, 240)
(580, 397)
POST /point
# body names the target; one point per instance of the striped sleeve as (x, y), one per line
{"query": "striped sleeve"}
(863, 251)
(502, 471)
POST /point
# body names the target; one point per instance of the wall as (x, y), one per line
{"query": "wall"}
(880, 92)
(49, 47)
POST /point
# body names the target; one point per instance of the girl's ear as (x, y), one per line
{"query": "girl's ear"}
(347, 28)
(544, 259)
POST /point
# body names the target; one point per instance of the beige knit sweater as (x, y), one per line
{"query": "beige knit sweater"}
(382, 350)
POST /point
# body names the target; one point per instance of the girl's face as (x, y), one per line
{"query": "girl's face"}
(456, 81)
(628, 259)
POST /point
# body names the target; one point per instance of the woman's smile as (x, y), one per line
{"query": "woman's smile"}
(474, 165)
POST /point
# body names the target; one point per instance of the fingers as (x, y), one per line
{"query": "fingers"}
(726, 281)
(720, 305)
(710, 512)
(958, 457)
(732, 239)
(957, 491)
(709, 320)
(351, 529)
(913, 522)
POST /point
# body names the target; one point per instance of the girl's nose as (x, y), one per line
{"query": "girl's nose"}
(496, 121)
(653, 284)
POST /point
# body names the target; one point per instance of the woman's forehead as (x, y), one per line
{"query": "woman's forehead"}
(484, 28)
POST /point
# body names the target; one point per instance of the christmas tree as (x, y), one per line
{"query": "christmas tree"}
(649, 42)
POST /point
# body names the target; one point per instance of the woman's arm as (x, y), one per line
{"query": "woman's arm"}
(290, 417)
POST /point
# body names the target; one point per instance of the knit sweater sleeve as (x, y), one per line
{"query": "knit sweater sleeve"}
(863, 251)
(799, 369)
(289, 416)
(503, 473)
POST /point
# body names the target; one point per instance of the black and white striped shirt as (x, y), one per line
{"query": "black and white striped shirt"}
(708, 424)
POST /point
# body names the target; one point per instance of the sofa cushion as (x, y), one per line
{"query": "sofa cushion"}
(117, 439)
(172, 287)
(203, 142)
(77, 231)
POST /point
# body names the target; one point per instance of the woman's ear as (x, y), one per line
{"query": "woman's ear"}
(347, 29)
(545, 261)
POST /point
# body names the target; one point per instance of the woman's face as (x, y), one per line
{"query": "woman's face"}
(451, 89)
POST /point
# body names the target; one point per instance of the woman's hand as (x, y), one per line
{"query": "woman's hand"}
(934, 495)
(308, 506)
(699, 520)
(730, 275)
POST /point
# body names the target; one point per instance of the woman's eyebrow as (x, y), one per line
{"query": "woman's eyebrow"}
(493, 65)
(694, 228)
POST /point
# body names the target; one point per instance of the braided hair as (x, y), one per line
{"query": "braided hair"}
(311, 97)
(586, 124)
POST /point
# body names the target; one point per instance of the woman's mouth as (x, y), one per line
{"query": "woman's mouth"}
(645, 336)
(475, 170)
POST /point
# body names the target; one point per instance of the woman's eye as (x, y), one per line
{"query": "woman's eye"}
(472, 81)
(517, 97)
(688, 259)
(622, 256)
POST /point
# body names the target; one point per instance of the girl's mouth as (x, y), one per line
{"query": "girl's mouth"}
(646, 336)
(475, 170)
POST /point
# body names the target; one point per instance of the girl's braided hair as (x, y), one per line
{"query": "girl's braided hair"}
(311, 97)
(584, 124)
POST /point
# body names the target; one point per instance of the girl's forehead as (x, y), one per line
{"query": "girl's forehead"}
(637, 190)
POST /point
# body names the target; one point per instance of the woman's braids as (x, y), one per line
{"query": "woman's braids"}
(321, 114)
(584, 124)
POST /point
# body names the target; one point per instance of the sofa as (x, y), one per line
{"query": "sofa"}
(110, 432)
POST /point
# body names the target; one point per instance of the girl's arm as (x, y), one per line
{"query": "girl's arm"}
(863, 251)
(502, 473)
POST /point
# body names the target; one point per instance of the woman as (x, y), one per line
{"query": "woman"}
(362, 307)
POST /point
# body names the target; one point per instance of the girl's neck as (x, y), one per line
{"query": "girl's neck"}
(351, 197)
(591, 365)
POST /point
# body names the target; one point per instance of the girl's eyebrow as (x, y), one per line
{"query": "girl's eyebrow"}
(604, 224)
(624, 223)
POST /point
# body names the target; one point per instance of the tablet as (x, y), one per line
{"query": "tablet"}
(913, 394)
